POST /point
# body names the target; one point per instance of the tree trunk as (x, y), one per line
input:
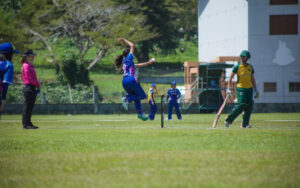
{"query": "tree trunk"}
(99, 56)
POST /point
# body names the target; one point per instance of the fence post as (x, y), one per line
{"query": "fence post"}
(95, 99)
(43, 98)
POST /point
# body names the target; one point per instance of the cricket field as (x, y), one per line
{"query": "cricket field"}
(123, 151)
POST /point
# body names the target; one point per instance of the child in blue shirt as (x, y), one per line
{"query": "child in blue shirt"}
(173, 95)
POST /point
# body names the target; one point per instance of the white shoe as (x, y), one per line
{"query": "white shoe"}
(227, 124)
(125, 103)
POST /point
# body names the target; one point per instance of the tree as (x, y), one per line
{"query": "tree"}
(88, 23)
(74, 71)
(171, 20)
(160, 19)
(186, 22)
(88, 26)
(10, 30)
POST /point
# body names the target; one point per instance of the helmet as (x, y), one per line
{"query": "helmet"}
(245, 53)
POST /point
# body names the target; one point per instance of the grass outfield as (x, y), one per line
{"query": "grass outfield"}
(122, 151)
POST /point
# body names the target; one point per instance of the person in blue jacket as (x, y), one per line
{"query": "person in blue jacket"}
(6, 70)
(134, 90)
(173, 95)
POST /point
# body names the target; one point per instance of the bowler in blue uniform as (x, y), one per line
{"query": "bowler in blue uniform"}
(130, 84)
(173, 95)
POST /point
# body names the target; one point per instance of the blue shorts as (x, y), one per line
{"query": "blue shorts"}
(133, 89)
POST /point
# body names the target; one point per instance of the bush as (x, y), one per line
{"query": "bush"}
(55, 94)
(74, 72)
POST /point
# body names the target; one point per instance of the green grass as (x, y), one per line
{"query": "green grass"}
(122, 151)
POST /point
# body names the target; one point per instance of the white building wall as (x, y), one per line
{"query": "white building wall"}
(222, 28)
(268, 51)
(226, 27)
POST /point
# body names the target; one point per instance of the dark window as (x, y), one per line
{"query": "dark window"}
(283, 24)
(283, 2)
(294, 87)
(270, 87)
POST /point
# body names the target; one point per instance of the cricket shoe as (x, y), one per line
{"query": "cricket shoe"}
(246, 126)
(125, 103)
(35, 127)
(142, 117)
(226, 124)
(30, 127)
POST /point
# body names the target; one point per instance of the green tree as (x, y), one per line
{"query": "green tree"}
(186, 21)
(74, 71)
(10, 29)
(88, 23)
(160, 19)
(171, 20)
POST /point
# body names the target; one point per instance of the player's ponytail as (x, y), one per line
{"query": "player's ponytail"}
(118, 61)
(119, 58)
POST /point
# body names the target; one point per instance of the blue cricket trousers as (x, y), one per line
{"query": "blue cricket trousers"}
(134, 92)
(173, 103)
(153, 109)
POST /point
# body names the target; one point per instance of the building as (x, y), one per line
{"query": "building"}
(269, 29)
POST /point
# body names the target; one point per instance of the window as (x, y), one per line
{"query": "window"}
(270, 87)
(283, 2)
(283, 24)
(294, 87)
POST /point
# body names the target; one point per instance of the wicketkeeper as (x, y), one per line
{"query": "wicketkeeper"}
(244, 91)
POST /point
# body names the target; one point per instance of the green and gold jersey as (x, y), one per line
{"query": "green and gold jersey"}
(150, 92)
(244, 75)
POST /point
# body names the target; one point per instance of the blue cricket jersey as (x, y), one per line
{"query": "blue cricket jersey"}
(128, 65)
(173, 94)
(6, 72)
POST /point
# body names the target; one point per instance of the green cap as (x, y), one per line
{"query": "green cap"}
(245, 53)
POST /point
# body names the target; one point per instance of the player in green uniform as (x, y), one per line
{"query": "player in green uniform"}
(244, 91)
